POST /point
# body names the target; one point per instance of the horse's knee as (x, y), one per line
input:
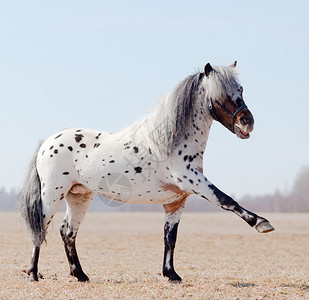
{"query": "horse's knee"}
(67, 233)
(63, 227)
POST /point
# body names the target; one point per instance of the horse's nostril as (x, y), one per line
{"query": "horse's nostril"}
(244, 121)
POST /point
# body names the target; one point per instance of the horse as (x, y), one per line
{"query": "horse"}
(156, 160)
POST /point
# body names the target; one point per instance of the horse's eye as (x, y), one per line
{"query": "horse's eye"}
(239, 101)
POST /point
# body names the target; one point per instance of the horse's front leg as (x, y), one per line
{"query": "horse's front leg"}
(172, 217)
(195, 182)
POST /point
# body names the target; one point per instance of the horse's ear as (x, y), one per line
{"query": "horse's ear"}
(233, 65)
(208, 69)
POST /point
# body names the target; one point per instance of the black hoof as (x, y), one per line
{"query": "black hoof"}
(82, 277)
(172, 276)
(175, 278)
(79, 274)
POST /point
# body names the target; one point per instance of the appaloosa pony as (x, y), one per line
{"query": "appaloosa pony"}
(156, 160)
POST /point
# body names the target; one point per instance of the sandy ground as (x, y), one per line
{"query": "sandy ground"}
(217, 254)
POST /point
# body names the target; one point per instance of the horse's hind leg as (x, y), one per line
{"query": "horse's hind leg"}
(77, 205)
(172, 217)
(42, 216)
(33, 268)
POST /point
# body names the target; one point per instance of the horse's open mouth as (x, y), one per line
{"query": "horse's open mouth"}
(241, 134)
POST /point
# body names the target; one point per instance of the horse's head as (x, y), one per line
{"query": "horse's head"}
(225, 100)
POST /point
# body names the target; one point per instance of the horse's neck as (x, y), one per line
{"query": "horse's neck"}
(159, 128)
(198, 127)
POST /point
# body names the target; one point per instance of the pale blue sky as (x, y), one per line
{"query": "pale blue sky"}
(103, 64)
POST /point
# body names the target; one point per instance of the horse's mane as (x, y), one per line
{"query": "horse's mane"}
(221, 82)
(168, 125)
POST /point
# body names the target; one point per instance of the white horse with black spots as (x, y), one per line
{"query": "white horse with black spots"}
(156, 160)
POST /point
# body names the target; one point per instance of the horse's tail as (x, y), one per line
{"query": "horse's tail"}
(30, 203)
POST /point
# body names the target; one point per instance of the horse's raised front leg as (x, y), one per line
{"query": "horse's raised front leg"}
(172, 217)
(195, 182)
(226, 202)
(77, 206)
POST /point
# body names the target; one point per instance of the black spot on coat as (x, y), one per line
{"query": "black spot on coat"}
(138, 169)
(78, 137)
(135, 149)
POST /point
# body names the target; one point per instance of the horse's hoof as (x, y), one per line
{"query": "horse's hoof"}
(175, 281)
(264, 227)
(80, 275)
(175, 278)
(33, 277)
(83, 278)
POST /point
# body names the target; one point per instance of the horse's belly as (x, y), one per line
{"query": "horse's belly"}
(131, 195)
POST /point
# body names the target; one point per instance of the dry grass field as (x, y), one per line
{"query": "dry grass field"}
(217, 254)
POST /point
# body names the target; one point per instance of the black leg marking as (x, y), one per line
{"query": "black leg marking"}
(33, 268)
(70, 250)
(227, 203)
(170, 235)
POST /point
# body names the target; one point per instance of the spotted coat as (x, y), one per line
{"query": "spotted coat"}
(156, 160)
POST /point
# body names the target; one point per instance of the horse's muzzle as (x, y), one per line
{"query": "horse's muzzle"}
(243, 124)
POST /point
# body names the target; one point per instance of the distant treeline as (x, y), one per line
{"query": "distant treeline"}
(295, 200)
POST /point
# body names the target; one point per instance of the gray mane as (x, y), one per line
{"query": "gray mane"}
(173, 114)
(184, 97)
